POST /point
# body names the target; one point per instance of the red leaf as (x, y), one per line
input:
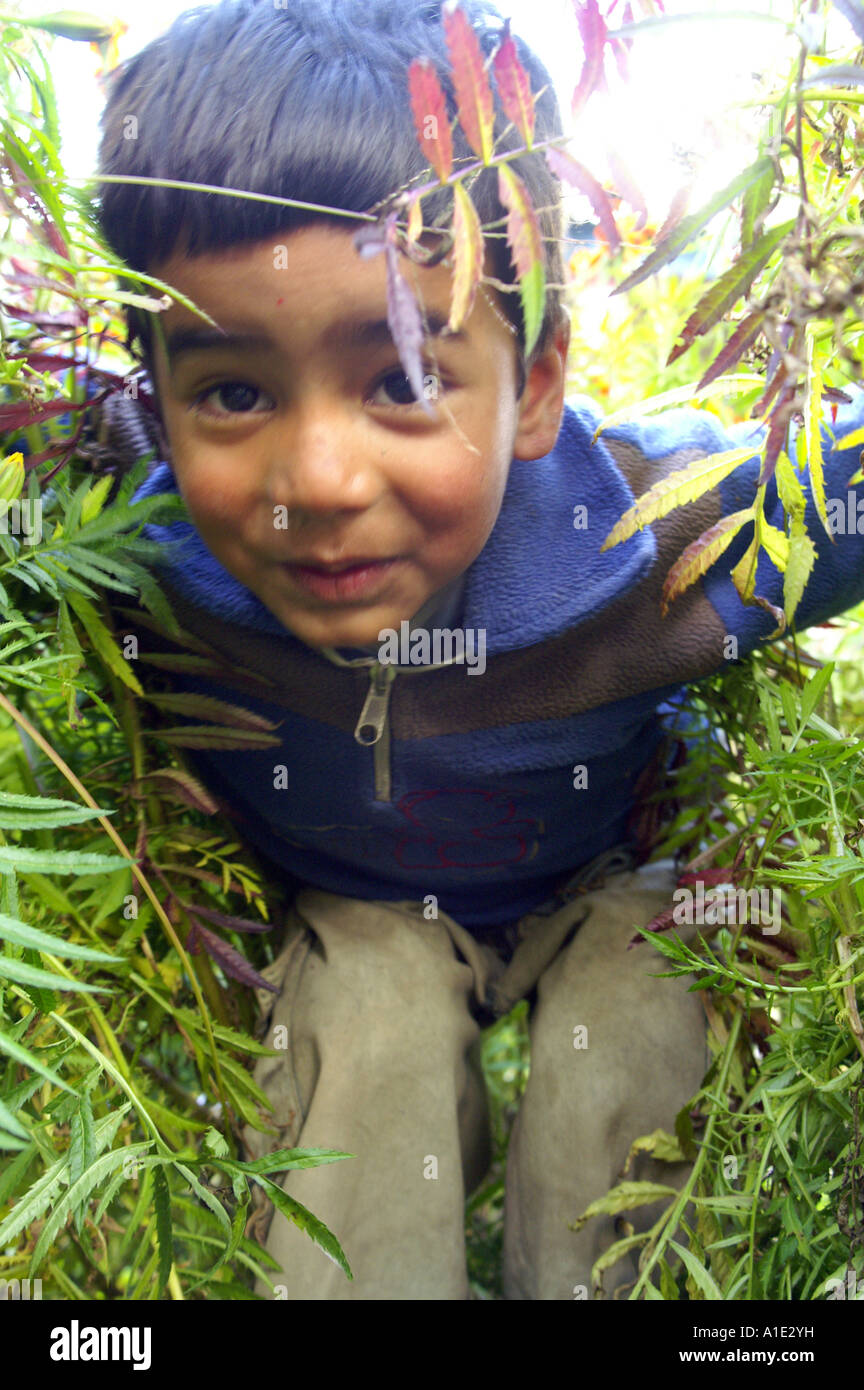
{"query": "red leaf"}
(568, 168)
(745, 334)
(700, 555)
(677, 209)
(592, 28)
(473, 93)
(662, 922)
(73, 318)
(231, 961)
(776, 438)
(36, 282)
(514, 88)
(186, 788)
(429, 106)
(19, 416)
(774, 383)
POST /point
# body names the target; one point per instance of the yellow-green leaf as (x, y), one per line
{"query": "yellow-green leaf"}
(744, 573)
(775, 544)
(624, 1197)
(849, 441)
(812, 424)
(802, 557)
(72, 24)
(11, 478)
(682, 395)
(95, 499)
(683, 486)
(526, 246)
(467, 257)
(789, 487)
(661, 1144)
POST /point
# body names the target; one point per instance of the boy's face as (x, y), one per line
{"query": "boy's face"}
(299, 449)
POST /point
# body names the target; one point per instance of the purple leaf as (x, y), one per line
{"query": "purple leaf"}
(370, 240)
(852, 10)
(405, 321)
(231, 961)
(223, 919)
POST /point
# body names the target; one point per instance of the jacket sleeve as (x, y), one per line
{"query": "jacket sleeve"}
(836, 582)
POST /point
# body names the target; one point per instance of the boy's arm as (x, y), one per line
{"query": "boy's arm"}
(836, 581)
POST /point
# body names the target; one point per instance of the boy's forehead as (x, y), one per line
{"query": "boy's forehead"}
(314, 280)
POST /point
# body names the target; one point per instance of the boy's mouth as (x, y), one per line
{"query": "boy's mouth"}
(350, 579)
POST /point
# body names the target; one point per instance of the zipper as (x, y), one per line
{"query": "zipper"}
(373, 730)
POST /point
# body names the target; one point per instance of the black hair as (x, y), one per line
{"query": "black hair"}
(306, 99)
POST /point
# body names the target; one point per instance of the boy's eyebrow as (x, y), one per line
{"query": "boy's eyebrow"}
(349, 333)
(360, 332)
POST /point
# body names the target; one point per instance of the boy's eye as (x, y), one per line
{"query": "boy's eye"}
(399, 388)
(228, 398)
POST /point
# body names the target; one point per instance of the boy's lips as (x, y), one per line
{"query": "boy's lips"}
(350, 579)
(312, 562)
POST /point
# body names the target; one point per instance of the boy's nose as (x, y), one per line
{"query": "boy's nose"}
(317, 467)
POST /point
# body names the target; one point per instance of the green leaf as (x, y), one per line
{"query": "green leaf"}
(24, 974)
(79, 1192)
(10, 1122)
(814, 690)
(23, 935)
(813, 428)
(206, 707)
(53, 861)
(753, 204)
(213, 736)
(164, 1229)
(20, 812)
(725, 292)
(103, 643)
(29, 1059)
(689, 227)
(698, 1273)
(624, 1197)
(283, 1159)
(315, 1229)
(701, 554)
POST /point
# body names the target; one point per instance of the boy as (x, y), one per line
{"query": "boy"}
(459, 814)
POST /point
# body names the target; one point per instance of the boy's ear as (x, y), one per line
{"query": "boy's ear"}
(541, 405)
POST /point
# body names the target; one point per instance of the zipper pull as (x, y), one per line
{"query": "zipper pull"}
(373, 716)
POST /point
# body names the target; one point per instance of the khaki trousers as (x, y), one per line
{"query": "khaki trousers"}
(379, 1056)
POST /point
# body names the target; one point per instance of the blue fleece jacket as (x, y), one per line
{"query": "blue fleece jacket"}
(489, 789)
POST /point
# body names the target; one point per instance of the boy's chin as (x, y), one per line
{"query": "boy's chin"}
(343, 629)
